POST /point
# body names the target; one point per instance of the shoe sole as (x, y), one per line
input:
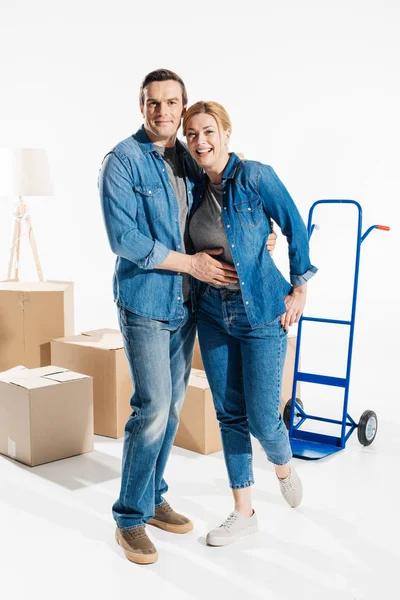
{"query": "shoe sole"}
(139, 559)
(226, 541)
(185, 528)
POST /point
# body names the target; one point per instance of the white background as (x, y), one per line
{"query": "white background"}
(312, 89)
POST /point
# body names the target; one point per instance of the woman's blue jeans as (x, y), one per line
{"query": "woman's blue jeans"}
(160, 358)
(244, 368)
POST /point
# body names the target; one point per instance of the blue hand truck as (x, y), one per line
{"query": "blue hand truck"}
(308, 444)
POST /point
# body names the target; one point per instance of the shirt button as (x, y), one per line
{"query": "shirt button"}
(242, 282)
(150, 192)
(179, 247)
(228, 226)
(247, 301)
(163, 170)
(233, 245)
(225, 208)
(249, 209)
(237, 264)
(179, 297)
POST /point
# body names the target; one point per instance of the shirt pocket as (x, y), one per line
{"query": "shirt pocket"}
(150, 201)
(250, 212)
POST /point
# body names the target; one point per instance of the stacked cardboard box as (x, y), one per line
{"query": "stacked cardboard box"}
(287, 381)
(101, 355)
(32, 314)
(198, 428)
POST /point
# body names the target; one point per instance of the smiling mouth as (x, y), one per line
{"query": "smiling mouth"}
(203, 152)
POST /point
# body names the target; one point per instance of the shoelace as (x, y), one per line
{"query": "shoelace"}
(288, 482)
(165, 507)
(229, 521)
(137, 533)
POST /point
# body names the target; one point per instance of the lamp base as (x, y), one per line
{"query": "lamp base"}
(22, 216)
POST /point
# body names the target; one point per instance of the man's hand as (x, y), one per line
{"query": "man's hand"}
(205, 268)
(295, 303)
(271, 242)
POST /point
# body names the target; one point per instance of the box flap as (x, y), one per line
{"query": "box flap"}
(32, 383)
(44, 371)
(199, 373)
(34, 286)
(66, 376)
(14, 372)
(105, 339)
(198, 379)
(39, 377)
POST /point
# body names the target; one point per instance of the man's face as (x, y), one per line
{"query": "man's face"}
(162, 109)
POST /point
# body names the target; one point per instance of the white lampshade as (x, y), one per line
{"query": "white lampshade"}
(24, 172)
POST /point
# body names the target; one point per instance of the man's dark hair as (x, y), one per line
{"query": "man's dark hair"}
(162, 75)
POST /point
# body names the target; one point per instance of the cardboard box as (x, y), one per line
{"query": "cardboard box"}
(197, 362)
(31, 314)
(45, 414)
(198, 427)
(101, 355)
(287, 381)
(288, 370)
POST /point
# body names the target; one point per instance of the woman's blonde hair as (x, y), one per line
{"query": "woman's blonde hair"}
(210, 108)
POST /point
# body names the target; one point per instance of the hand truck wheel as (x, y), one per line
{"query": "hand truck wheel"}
(286, 412)
(367, 427)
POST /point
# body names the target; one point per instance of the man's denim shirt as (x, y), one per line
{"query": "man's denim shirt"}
(141, 215)
(252, 195)
(142, 221)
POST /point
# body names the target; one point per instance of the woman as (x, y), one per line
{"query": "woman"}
(243, 326)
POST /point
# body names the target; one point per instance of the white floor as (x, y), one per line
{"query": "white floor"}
(57, 533)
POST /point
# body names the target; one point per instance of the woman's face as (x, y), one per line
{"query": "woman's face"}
(207, 145)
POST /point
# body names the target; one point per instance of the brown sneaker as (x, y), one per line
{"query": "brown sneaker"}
(166, 518)
(137, 546)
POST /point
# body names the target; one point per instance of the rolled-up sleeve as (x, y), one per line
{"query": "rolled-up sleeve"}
(279, 205)
(119, 206)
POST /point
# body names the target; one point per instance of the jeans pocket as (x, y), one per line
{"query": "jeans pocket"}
(126, 317)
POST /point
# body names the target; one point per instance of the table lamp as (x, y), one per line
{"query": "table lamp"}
(23, 172)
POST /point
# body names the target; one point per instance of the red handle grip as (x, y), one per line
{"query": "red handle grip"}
(384, 227)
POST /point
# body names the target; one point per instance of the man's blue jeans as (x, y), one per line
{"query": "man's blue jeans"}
(244, 368)
(160, 357)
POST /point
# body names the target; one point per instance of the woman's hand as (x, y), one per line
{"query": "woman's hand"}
(271, 242)
(295, 303)
(206, 268)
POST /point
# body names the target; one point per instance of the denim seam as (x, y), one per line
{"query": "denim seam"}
(132, 436)
(248, 441)
(131, 526)
(239, 486)
(279, 391)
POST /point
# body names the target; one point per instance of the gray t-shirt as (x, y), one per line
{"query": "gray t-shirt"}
(206, 228)
(176, 176)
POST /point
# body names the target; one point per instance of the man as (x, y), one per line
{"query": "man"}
(146, 185)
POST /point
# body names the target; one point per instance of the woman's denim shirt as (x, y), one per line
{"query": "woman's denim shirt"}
(252, 195)
(141, 216)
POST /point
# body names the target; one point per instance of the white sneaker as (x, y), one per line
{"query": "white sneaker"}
(291, 488)
(233, 528)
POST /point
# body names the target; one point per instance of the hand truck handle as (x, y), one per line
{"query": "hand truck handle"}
(383, 227)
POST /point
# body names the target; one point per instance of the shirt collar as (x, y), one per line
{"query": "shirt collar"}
(230, 169)
(147, 146)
